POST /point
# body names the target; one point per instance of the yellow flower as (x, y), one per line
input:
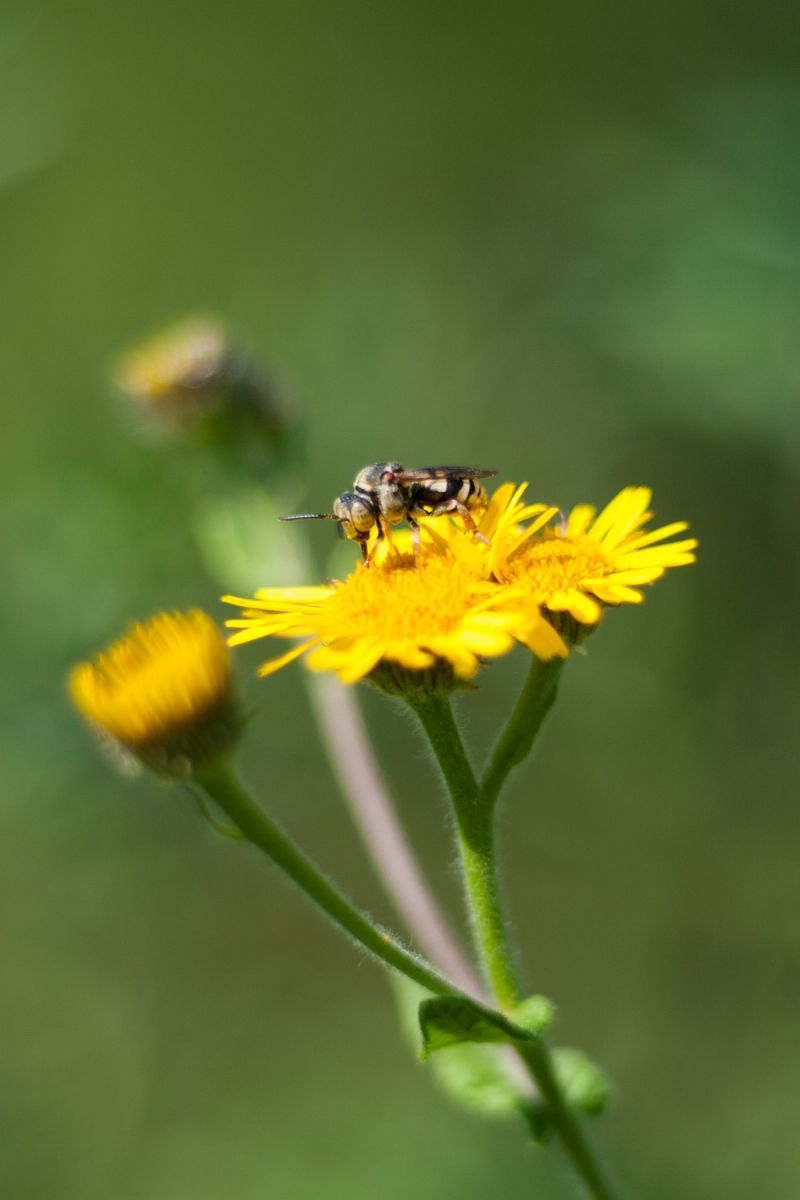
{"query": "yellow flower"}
(502, 519)
(163, 690)
(591, 560)
(417, 614)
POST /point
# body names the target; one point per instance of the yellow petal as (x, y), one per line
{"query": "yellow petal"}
(496, 507)
(360, 662)
(627, 506)
(579, 519)
(486, 642)
(611, 593)
(410, 655)
(638, 541)
(275, 664)
(464, 661)
(544, 640)
(582, 607)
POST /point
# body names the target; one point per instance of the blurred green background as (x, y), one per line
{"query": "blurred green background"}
(561, 242)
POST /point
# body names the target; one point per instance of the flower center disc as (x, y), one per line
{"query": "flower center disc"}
(553, 565)
(404, 597)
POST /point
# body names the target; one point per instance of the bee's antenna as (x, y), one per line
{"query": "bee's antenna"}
(309, 517)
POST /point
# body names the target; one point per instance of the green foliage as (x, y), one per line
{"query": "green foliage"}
(450, 1020)
(467, 1065)
(473, 1076)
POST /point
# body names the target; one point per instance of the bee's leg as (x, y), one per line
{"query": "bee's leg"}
(455, 506)
(415, 534)
(364, 555)
(381, 535)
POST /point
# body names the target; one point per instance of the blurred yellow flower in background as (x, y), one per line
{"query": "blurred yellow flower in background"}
(164, 690)
(177, 365)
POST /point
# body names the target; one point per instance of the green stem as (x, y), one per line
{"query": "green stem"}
(223, 787)
(516, 741)
(577, 1146)
(474, 811)
(476, 846)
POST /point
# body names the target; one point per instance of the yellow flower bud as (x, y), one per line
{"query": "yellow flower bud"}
(163, 691)
(178, 375)
(193, 382)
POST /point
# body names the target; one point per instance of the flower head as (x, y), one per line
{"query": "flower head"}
(463, 598)
(164, 691)
(424, 613)
(500, 521)
(590, 559)
(179, 371)
(193, 381)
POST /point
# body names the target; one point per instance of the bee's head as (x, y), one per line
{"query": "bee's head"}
(356, 515)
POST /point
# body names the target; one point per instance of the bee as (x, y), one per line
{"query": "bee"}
(386, 493)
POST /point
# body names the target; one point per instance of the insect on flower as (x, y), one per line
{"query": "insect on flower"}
(387, 493)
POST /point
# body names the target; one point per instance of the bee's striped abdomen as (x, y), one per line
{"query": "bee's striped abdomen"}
(473, 494)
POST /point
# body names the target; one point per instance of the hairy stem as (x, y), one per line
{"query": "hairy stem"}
(476, 847)
(372, 811)
(221, 785)
(566, 1122)
(234, 551)
(474, 819)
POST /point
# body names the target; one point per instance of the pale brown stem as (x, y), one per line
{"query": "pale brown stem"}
(342, 728)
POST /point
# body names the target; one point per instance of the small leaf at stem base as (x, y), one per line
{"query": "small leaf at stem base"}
(472, 1076)
(451, 1020)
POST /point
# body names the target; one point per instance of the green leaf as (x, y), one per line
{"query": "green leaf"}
(451, 1020)
(474, 1077)
(470, 1075)
(585, 1083)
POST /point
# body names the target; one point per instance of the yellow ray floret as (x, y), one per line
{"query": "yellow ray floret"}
(162, 677)
(413, 611)
(500, 521)
(591, 559)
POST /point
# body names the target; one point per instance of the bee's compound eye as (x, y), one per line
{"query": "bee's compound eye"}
(361, 515)
(354, 515)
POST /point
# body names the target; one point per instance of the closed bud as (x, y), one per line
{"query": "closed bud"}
(194, 383)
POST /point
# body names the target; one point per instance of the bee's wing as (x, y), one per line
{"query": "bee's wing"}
(420, 474)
